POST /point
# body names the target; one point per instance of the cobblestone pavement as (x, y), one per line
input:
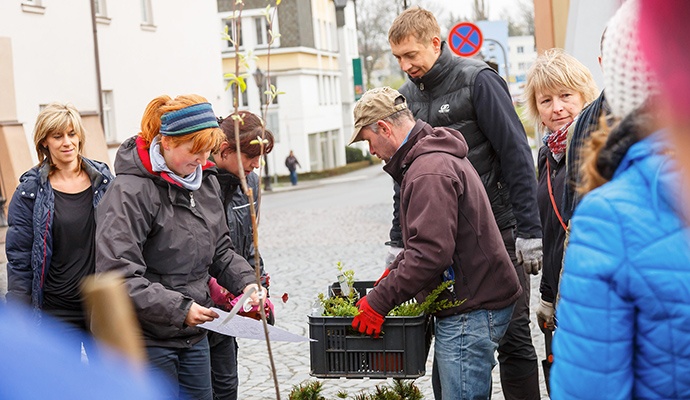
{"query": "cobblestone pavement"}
(303, 234)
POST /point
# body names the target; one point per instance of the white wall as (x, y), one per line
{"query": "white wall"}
(179, 57)
(586, 22)
(53, 57)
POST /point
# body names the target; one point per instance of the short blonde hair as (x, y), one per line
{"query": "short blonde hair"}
(205, 139)
(414, 21)
(57, 118)
(556, 69)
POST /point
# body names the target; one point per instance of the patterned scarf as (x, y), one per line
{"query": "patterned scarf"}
(557, 141)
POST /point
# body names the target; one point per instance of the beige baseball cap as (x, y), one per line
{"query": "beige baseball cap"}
(376, 104)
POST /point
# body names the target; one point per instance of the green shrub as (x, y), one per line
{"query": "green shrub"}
(353, 154)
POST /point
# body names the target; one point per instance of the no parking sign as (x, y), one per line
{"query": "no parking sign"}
(465, 39)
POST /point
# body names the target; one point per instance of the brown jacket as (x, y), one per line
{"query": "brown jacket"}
(446, 220)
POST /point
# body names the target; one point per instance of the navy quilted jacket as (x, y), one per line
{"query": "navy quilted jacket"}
(624, 312)
(29, 241)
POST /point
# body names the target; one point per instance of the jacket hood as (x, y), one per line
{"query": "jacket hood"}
(133, 159)
(424, 139)
(652, 157)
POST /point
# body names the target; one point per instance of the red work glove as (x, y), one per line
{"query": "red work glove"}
(367, 321)
(385, 274)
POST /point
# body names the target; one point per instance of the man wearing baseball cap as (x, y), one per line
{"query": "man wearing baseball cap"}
(449, 233)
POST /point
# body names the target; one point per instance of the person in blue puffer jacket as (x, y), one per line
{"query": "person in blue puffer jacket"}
(623, 318)
(50, 241)
(624, 312)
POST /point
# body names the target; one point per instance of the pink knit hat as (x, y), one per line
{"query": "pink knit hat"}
(663, 37)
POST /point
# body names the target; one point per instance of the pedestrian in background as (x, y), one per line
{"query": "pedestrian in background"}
(291, 163)
(623, 313)
(166, 231)
(224, 348)
(50, 241)
(449, 235)
(468, 96)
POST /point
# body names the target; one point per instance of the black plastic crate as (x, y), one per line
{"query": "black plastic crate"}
(399, 352)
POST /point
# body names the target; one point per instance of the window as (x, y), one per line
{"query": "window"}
(262, 28)
(100, 8)
(242, 99)
(273, 124)
(33, 6)
(520, 49)
(317, 34)
(234, 31)
(109, 117)
(146, 13)
(262, 94)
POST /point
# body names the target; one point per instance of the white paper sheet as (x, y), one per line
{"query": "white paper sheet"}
(249, 328)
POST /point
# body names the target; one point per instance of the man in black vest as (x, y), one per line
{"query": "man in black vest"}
(469, 96)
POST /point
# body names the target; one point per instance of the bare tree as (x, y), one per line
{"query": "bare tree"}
(523, 24)
(527, 11)
(481, 10)
(373, 20)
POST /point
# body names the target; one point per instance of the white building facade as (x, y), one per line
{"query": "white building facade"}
(145, 48)
(521, 54)
(310, 63)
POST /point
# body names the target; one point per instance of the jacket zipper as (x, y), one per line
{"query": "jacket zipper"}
(191, 199)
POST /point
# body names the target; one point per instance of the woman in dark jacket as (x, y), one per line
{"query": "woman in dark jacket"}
(237, 212)
(167, 232)
(558, 88)
(50, 241)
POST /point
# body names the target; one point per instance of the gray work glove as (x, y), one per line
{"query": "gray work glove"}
(529, 254)
(391, 255)
(545, 313)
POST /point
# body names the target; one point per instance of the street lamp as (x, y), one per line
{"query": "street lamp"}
(260, 82)
(505, 57)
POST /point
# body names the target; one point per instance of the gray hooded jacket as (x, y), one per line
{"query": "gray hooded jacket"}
(165, 240)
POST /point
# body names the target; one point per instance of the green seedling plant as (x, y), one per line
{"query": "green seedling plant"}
(398, 390)
(340, 305)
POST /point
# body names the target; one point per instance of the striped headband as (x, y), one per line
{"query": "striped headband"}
(188, 120)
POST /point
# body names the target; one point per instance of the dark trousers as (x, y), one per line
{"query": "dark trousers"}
(223, 366)
(76, 330)
(190, 368)
(516, 355)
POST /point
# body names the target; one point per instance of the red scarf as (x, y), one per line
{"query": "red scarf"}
(557, 140)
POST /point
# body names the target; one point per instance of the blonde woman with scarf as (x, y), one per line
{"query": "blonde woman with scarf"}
(558, 88)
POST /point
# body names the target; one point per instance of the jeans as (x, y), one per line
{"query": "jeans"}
(189, 367)
(223, 366)
(293, 177)
(464, 351)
